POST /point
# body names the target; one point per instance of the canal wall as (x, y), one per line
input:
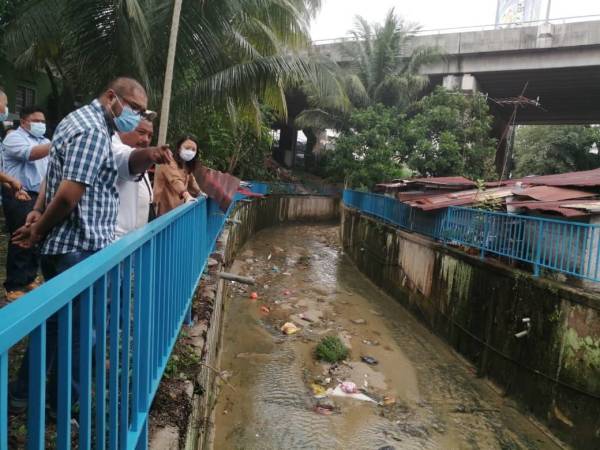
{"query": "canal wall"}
(255, 215)
(478, 306)
(249, 217)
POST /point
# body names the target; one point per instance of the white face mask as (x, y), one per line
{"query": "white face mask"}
(187, 154)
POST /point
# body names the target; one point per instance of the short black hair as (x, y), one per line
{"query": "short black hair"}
(29, 110)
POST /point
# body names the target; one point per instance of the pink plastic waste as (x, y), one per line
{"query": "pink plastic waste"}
(349, 387)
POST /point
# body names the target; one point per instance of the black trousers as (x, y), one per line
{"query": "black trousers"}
(22, 264)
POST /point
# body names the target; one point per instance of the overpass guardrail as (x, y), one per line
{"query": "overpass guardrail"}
(572, 248)
(475, 28)
(117, 316)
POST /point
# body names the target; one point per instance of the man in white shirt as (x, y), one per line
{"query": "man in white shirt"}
(135, 190)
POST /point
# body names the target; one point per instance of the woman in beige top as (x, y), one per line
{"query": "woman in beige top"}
(174, 183)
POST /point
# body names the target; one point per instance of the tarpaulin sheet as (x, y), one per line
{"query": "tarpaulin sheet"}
(219, 186)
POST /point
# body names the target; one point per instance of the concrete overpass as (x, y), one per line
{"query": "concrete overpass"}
(560, 61)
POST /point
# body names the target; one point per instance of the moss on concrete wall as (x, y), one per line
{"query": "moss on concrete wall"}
(478, 306)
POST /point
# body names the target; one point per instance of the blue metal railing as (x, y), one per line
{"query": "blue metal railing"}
(299, 188)
(396, 213)
(568, 247)
(572, 248)
(130, 301)
(259, 187)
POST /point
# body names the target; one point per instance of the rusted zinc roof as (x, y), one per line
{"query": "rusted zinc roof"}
(592, 206)
(583, 178)
(559, 208)
(392, 185)
(450, 182)
(414, 195)
(462, 198)
(551, 193)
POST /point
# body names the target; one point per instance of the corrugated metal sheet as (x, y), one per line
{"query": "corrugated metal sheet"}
(461, 198)
(414, 195)
(553, 208)
(590, 206)
(443, 181)
(552, 193)
(583, 178)
(385, 186)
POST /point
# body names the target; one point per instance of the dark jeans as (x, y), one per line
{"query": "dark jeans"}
(21, 263)
(53, 265)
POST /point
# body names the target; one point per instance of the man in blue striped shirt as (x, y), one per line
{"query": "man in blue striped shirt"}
(25, 158)
(81, 204)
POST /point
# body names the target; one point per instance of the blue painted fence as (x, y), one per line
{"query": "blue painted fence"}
(130, 300)
(396, 213)
(304, 188)
(572, 248)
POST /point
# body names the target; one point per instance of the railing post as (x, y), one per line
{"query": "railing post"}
(538, 250)
(442, 229)
(4, 401)
(142, 443)
(485, 236)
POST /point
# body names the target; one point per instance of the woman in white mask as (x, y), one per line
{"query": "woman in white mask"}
(174, 184)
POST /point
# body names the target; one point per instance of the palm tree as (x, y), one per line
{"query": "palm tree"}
(380, 72)
(229, 51)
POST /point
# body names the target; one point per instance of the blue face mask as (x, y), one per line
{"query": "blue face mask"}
(4, 115)
(128, 120)
(38, 129)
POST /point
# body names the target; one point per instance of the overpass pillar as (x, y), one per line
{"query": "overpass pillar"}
(465, 83)
(545, 35)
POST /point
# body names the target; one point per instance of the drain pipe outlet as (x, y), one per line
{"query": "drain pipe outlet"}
(522, 334)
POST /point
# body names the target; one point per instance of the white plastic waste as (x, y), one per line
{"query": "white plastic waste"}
(338, 392)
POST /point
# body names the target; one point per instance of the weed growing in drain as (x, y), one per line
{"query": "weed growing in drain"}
(331, 349)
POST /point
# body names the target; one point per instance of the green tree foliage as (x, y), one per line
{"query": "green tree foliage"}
(378, 73)
(445, 134)
(371, 149)
(450, 135)
(233, 56)
(228, 50)
(229, 145)
(549, 149)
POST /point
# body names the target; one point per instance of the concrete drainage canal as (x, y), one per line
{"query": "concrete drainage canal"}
(399, 386)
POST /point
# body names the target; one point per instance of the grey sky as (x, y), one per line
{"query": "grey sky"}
(337, 16)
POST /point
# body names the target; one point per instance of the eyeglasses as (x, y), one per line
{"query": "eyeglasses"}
(149, 115)
(145, 113)
(134, 106)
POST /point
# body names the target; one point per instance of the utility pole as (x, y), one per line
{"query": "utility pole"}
(166, 99)
(548, 9)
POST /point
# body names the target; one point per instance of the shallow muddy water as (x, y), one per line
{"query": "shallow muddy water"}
(425, 397)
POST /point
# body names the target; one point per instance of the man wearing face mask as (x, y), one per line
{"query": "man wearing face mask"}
(25, 157)
(77, 216)
(135, 190)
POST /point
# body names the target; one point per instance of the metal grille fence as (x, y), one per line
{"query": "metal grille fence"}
(117, 316)
(572, 248)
